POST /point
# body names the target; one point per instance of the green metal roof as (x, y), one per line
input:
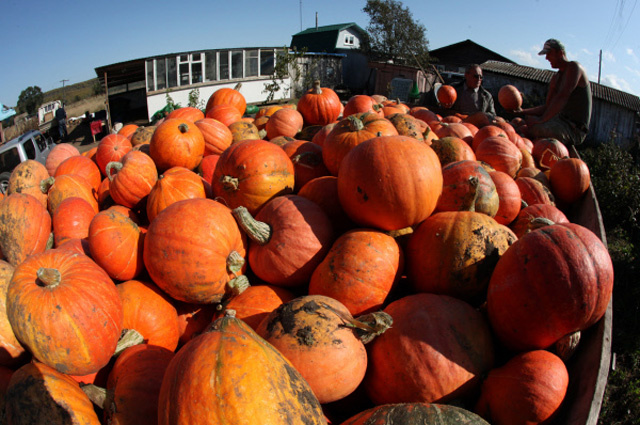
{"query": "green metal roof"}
(321, 39)
(334, 27)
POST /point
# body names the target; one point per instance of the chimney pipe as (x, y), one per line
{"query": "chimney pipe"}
(316, 21)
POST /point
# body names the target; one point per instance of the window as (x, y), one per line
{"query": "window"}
(150, 82)
(236, 64)
(161, 74)
(266, 62)
(251, 63)
(40, 141)
(9, 159)
(172, 72)
(210, 66)
(349, 40)
(30, 149)
(224, 65)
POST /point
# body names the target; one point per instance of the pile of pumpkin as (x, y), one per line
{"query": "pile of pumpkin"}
(218, 268)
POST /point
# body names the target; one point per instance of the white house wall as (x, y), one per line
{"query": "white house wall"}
(253, 92)
(340, 44)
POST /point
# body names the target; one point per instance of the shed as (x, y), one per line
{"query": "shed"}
(454, 58)
(615, 114)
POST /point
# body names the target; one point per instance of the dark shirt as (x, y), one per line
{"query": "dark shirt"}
(61, 114)
(469, 100)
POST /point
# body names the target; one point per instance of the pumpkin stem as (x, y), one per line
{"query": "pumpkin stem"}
(238, 285)
(128, 338)
(316, 87)
(110, 166)
(376, 323)
(355, 123)
(46, 184)
(48, 277)
(257, 231)
(230, 184)
(567, 345)
(312, 159)
(539, 222)
(183, 128)
(469, 201)
(50, 241)
(400, 232)
(96, 394)
(238, 87)
(230, 313)
(523, 204)
(235, 262)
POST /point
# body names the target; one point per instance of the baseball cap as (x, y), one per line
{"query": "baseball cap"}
(551, 43)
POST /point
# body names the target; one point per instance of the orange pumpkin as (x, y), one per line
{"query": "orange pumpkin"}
(534, 192)
(361, 103)
(526, 221)
(226, 114)
(447, 96)
(510, 200)
(467, 186)
(67, 186)
(175, 184)
(452, 149)
(509, 97)
(217, 136)
(407, 125)
(133, 180)
(27, 178)
(177, 143)
(82, 166)
(501, 154)
(71, 220)
(12, 353)
(59, 153)
(319, 105)
(127, 130)
(570, 179)
(485, 132)
(324, 192)
(548, 151)
(284, 122)
(228, 96)
(307, 161)
(111, 148)
(188, 113)
(256, 302)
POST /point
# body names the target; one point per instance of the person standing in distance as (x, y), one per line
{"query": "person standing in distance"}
(471, 96)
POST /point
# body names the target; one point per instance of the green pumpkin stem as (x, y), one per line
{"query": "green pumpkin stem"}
(235, 262)
(539, 222)
(48, 277)
(128, 338)
(110, 166)
(96, 394)
(230, 184)
(46, 184)
(257, 231)
(355, 123)
(183, 128)
(376, 324)
(50, 241)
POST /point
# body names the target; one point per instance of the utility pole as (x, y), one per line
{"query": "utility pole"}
(599, 66)
(64, 99)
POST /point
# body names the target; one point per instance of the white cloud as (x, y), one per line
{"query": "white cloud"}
(616, 82)
(526, 58)
(608, 57)
(586, 51)
(631, 53)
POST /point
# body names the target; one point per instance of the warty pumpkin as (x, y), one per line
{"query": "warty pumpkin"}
(26, 178)
(418, 413)
(217, 136)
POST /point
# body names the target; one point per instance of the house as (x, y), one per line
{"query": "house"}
(342, 40)
(451, 60)
(615, 114)
(137, 89)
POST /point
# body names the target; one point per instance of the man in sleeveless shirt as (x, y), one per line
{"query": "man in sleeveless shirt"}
(566, 113)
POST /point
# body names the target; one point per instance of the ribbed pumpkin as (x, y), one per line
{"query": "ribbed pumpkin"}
(528, 389)
(452, 149)
(307, 161)
(290, 236)
(359, 270)
(501, 154)
(454, 253)
(127, 130)
(226, 114)
(548, 151)
(553, 281)
(534, 192)
(116, 244)
(570, 179)
(415, 413)
(217, 136)
(256, 302)
(390, 182)
(38, 394)
(510, 200)
(321, 135)
(252, 172)
(12, 353)
(25, 226)
(284, 122)
(193, 248)
(350, 132)
(188, 113)
(133, 386)
(485, 132)
(26, 179)
(324, 192)
(71, 220)
(228, 96)
(407, 125)
(66, 310)
(528, 218)
(111, 148)
(82, 166)
(177, 143)
(360, 103)
(175, 184)
(408, 363)
(134, 177)
(310, 331)
(59, 153)
(150, 312)
(454, 129)
(319, 105)
(467, 186)
(230, 374)
(66, 186)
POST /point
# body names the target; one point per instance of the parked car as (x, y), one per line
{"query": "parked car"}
(31, 145)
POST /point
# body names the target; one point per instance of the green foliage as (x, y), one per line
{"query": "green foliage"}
(394, 34)
(30, 99)
(286, 66)
(171, 105)
(194, 100)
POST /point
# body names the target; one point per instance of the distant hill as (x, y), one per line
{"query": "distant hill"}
(75, 92)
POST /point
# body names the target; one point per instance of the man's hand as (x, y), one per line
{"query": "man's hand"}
(532, 120)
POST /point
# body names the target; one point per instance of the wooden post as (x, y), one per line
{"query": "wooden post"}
(106, 91)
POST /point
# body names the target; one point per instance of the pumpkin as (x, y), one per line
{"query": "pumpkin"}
(217, 136)
(509, 97)
(360, 103)
(508, 128)
(177, 143)
(290, 236)
(116, 242)
(127, 130)
(534, 173)
(324, 192)
(91, 153)
(142, 135)
(26, 178)
(231, 374)
(360, 269)
(534, 192)
(485, 132)
(284, 122)
(321, 135)
(510, 200)
(111, 148)
(406, 363)
(407, 125)
(350, 132)
(65, 309)
(228, 96)
(467, 186)
(59, 153)
(71, 220)
(479, 119)
(310, 331)
(135, 176)
(415, 413)
(528, 219)
(82, 166)
(458, 130)
(12, 353)
(307, 161)
(25, 226)
(447, 96)
(256, 302)
(242, 130)
(226, 114)
(66, 186)
(548, 151)
(193, 319)
(452, 119)
(188, 113)
(133, 386)
(454, 253)
(193, 248)
(319, 105)
(252, 172)
(38, 394)
(390, 182)
(150, 312)
(551, 282)
(570, 179)
(452, 149)
(175, 184)
(308, 132)
(528, 389)
(501, 154)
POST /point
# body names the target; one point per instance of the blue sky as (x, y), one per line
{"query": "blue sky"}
(45, 42)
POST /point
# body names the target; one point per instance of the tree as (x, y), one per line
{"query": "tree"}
(394, 35)
(30, 99)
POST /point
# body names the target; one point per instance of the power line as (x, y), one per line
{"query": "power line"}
(616, 13)
(626, 24)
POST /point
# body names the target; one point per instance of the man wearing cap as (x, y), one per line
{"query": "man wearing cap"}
(566, 113)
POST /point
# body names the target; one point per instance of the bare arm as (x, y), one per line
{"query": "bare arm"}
(567, 85)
